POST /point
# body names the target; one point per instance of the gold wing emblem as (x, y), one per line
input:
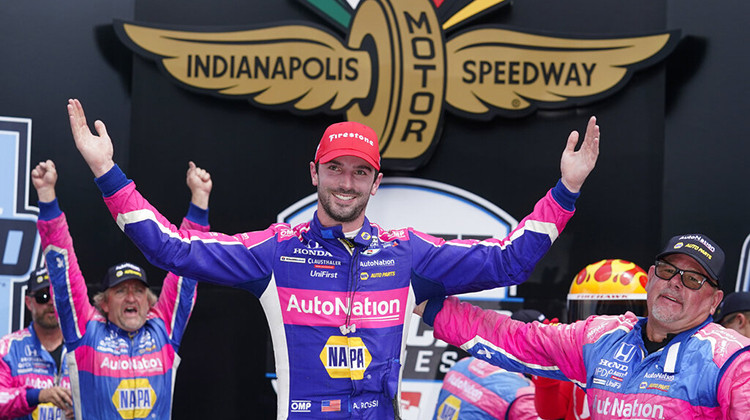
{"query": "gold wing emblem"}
(498, 71)
(298, 66)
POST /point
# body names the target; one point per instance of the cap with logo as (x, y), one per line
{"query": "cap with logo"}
(349, 138)
(121, 272)
(38, 280)
(732, 303)
(703, 250)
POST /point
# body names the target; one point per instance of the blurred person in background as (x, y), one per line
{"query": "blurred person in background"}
(474, 389)
(734, 312)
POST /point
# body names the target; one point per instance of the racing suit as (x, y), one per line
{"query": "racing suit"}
(702, 373)
(476, 390)
(338, 308)
(114, 373)
(26, 368)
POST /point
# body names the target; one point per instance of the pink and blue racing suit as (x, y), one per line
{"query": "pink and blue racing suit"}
(25, 369)
(702, 373)
(338, 309)
(116, 374)
(476, 390)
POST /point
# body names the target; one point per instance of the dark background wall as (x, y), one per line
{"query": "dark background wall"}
(672, 158)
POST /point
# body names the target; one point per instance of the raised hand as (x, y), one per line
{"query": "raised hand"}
(577, 165)
(44, 178)
(200, 184)
(97, 151)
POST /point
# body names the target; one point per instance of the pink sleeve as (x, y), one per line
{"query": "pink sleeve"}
(734, 388)
(12, 396)
(68, 285)
(514, 345)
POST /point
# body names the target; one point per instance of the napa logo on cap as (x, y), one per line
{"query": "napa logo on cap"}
(345, 357)
(134, 398)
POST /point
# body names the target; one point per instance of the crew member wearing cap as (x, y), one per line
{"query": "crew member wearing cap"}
(33, 382)
(338, 291)
(734, 312)
(674, 364)
(123, 350)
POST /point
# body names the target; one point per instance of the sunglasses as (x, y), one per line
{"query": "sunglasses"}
(42, 296)
(690, 279)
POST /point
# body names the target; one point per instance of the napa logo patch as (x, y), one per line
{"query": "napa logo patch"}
(345, 357)
(449, 409)
(134, 398)
(396, 70)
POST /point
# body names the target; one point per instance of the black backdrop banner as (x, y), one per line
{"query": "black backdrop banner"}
(672, 157)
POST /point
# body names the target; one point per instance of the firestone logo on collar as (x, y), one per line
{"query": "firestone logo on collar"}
(476, 73)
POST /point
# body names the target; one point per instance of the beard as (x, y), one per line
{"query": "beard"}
(343, 214)
(47, 322)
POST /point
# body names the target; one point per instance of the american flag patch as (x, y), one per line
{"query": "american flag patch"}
(330, 405)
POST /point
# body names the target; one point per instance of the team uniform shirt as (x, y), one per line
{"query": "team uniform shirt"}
(338, 309)
(476, 390)
(116, 374)
(702, 373)
(26, 368)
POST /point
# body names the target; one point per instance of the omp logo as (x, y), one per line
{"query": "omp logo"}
(134, 398)
(396, 71)
(345, 357)
(19, 241)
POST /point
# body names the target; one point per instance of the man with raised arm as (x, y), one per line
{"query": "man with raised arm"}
(123, 350)
(338, 291)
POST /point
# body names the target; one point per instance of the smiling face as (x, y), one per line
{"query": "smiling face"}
(345, 185)
(127, 304)
(674, 308)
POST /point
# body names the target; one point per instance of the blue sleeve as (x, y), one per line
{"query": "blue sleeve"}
(112, 181)
(197, 215)
(431, 310)
(564, 197)
(50, 210)
(32, 396)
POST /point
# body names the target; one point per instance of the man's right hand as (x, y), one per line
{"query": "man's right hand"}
(58, 396)
(44, 178)
(97, 151)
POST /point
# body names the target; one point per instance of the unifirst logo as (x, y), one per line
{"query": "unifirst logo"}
(345, 357)
(134, 398)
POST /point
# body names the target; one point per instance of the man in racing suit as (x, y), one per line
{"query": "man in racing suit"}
(122, 354)
(33, 382)
(338, 291)
(674, 364)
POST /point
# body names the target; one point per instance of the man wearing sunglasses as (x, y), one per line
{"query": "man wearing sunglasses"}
(123, 349)
(33, 382)
(674, 364)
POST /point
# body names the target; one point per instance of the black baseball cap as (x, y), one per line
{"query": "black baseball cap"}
(732, 303)
(38, 280)
(121, 272)
(703, 250)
